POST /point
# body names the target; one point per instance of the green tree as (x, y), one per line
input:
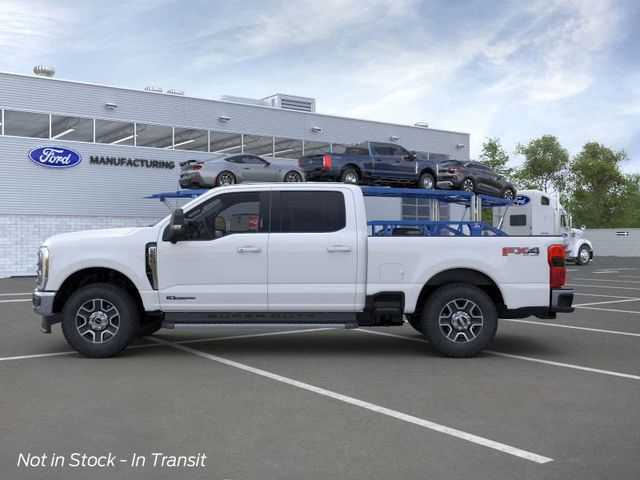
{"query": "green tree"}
(545, 164)
(495, 157)
(599, 192)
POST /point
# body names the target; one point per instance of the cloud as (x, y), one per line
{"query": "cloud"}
(29, 29)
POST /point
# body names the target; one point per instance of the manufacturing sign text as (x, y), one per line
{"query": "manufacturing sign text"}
(55, 157)
(130, 162)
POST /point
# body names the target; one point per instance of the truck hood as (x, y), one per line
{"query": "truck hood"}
(100, 236)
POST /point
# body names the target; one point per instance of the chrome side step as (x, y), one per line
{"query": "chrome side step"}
(258, 325)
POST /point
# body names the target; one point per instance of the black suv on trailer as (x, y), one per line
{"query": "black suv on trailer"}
(474, 177)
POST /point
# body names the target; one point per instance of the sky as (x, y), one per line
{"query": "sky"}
(509, 69)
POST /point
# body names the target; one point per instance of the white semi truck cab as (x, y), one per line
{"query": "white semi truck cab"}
(535, 212)
(304, 254)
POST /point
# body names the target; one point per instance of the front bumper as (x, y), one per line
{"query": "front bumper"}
(42, 302)
(560, 301)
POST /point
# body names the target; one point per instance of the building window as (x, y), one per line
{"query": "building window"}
(115, 133)
(157, 136)
(316, 148)
(257, 145)
(227, 143)
(26, 124)
(191, 139)
(71, 128)
(287, 148)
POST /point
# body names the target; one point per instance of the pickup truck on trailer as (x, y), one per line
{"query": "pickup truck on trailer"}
(372, 163)
(292, 254)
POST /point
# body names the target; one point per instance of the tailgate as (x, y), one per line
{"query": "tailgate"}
(311, 163)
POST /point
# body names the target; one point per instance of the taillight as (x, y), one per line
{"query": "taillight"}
(299, 163)
(196, 167)
(326, 161)
(557, 270)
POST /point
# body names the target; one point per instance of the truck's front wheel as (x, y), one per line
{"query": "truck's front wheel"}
(459, 320)
(100, 320)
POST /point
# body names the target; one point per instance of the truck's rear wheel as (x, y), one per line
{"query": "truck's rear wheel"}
(459, 320)
(100, 320)
(350, 175)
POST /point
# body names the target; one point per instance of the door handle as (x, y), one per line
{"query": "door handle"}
(249, 249)
(339, 248)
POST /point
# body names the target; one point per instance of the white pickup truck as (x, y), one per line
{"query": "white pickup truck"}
(291, 254)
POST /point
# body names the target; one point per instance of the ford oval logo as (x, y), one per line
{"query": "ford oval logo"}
(55, 157)
(521, 200)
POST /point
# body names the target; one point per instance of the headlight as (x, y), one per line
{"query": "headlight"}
(43, 267)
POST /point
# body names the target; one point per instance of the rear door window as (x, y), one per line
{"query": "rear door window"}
(310, 212)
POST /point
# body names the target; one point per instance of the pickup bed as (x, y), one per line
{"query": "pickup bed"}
(372, 163)
(290, 254)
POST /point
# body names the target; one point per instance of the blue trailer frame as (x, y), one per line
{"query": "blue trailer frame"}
(383, 228)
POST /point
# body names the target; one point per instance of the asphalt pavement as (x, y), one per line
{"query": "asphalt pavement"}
(550, 399)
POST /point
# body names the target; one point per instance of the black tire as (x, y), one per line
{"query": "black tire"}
(415, 320)
(508, 193)
(149, 327)
(584, 255)
(350, 175)
(450, 336)
(293, 176)
(468, 185)
(225, 178)
(427, 181)
(93, 303)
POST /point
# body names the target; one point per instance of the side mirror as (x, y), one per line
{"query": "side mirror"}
(583, 227)
(412, 156)
(219, 226)
(176, 227)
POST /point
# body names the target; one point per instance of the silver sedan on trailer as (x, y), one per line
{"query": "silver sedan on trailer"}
(230, 169)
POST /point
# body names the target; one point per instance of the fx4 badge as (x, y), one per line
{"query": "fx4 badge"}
(525, 251)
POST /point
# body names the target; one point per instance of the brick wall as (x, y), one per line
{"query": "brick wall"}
(22, 235)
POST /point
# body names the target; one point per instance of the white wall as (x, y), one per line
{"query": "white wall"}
(606, 242)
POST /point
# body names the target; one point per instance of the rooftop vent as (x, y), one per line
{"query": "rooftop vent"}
(175, 91)
(243, 100)
(291, 102)
(153, 88)
(44, 71)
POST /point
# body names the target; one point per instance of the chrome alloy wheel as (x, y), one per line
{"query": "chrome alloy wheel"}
(584, 255)
(293, 177)
(467, 185)
(460, 320)
(427, 182)
(226, 178)
(97, 320)
(351, 177)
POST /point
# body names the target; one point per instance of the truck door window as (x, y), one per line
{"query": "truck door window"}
(224, 215)
(311, 212)
(517, 220)
(544, 200)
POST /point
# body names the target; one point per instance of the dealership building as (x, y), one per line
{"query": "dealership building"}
(129, 144)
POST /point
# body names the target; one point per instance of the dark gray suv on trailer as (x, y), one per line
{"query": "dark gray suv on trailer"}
(474, 177)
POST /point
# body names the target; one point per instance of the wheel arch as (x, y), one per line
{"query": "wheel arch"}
(354, 166)
(430, 171)
(461, 275)
(88, 276)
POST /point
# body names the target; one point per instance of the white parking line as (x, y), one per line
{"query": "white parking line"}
(629, 276)
(519, 357)
(602, 286)
(610, 310)
(607, 280)
(608, 301)
(14, 294)
(15, 300)
(180, 342)
(574, 327)
(469, 437)
(600, 295)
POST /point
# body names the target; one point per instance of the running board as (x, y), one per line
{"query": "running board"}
(252, 319)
